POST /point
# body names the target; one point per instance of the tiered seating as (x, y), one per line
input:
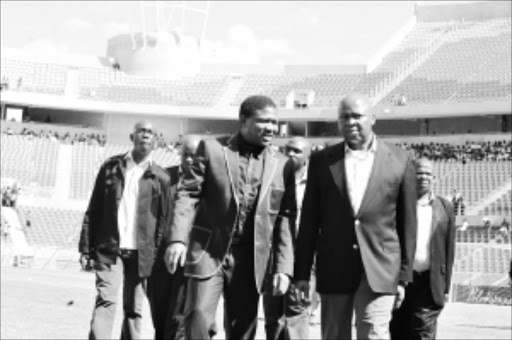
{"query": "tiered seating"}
(328, 88)
(202, 90)
(29, 161)
(480, 235)
(51, 226)
(501, 206)
(474, 180)
(87, 159)
(85, 162)
(412, 44)
(35, 77)
(473, 64)
(482, 258)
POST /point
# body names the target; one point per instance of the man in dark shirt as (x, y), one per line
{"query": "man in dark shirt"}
(232, 209)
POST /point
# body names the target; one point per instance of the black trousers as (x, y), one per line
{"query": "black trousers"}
(166, 295)
(235, 280)
(416, 319)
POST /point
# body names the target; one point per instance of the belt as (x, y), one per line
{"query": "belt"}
(127, 253)
(421, 275)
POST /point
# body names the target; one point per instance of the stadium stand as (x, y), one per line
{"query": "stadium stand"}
(50, 226)
(459, 71)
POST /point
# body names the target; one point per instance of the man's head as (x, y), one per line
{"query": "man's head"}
(355, 120)
(258, 120)
(143, 138)
(424, 176)
(188, 149)
(299, 150)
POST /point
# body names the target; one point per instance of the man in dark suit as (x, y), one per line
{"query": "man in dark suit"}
(233, 207)
(122, 229)
(286, 317)
(167, 291)
(433, 262)
(359, 219)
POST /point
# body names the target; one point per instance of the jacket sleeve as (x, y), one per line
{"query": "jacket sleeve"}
(93, 214)
(450, 245)
(406, 222)
(282, 240)
(309, 229)
(164, 212)
(188, 195)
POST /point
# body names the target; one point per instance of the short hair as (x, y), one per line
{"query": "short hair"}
(422, 160)
(253, 103)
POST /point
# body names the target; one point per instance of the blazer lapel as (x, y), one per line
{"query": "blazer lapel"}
(232, 159)
(379, 167)
(437, 207)
(336, 159)
(269, 168)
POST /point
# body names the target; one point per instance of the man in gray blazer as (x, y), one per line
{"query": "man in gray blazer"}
(359, 218)
(232, 209)
(433, 262)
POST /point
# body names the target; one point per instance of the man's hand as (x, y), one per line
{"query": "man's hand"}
(175, 254)
(86, 262)
(302, 291)
(280, 283)
(399, 296)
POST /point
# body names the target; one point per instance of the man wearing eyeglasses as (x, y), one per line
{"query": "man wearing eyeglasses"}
(122, 229)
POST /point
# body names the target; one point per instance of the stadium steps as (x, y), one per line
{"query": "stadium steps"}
(491, 197)
(408, 67)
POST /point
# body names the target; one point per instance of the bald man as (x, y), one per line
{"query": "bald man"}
(123, 227)
(190, 143)
(359, 221)
(285, 316)
(426, 296)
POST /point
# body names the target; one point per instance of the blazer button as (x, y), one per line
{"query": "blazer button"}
(355, 246)
(357, 223)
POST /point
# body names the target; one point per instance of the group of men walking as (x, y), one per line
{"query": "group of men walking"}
(356, 222)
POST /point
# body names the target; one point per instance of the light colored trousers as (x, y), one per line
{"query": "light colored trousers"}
(372, 312)
(109, 279)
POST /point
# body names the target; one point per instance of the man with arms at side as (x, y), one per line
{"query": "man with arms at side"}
(359, 219)
(433, 263)
(233, 207)
(167, 293)
(123, 227)
(285, 316)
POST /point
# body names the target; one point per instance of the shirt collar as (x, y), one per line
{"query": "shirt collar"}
(146, 162)
(371, 148)
(304, 176)
(427, 199)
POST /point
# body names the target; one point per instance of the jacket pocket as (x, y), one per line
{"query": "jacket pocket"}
(199, 240)
(276, 196)
(391, 246)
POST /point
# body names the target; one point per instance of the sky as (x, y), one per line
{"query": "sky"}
(244, 32)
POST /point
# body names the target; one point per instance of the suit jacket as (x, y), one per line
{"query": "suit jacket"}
(100, 236)
(442, 248)
(211, 183)
(380, 240)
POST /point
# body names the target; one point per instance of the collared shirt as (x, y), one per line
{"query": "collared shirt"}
(424, 233)
(249, 182)
(127, 210)
(300, 189)
(358, 167)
